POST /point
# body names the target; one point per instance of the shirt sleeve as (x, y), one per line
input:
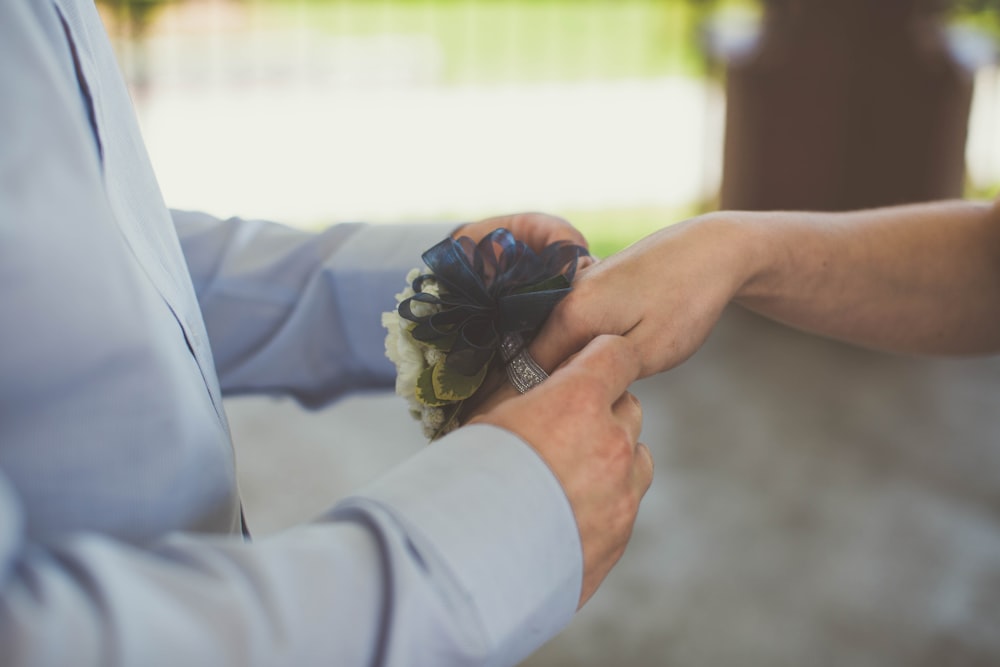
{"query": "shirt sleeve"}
(295, 312)
(442, 562)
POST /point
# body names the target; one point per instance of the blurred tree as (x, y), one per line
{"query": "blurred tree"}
(133, 16)
(845, 104)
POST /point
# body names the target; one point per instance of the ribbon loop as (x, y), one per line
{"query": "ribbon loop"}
(489, 289)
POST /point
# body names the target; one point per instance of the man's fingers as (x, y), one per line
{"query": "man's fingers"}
(540, 230)
(536, 229)
(628, 411)
(554, 344)
(643, 468)
(611, 360)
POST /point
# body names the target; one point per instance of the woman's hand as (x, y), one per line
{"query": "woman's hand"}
(663, 295)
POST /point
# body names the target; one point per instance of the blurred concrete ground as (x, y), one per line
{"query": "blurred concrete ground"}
(814, 504)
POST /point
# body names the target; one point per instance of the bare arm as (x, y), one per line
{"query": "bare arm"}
(921, 278)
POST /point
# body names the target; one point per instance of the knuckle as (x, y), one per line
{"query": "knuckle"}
(621, 350)
(627, 508)
(622, 444)
(635, 418)
(645, 464)
(554, 219)
(636, 405)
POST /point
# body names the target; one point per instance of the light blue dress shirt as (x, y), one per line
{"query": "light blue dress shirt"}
(122, 326)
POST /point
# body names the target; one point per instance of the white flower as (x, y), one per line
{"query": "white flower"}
(433, 422)
(404, 352)
(433, 356)
(410, 356)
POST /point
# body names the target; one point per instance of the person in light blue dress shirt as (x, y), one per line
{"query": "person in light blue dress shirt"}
(123, 324)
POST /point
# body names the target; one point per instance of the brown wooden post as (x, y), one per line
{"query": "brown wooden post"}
(845, 104)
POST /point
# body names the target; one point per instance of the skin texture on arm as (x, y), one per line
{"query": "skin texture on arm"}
(922, 279)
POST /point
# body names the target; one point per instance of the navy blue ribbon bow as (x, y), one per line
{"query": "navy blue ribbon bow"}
(487, 290)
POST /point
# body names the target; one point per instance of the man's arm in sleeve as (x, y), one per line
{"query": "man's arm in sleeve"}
(442, 562)
(296, 312)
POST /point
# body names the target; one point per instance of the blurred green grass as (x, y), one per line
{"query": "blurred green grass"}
(608, 231)
(522, 41)
(491, 42)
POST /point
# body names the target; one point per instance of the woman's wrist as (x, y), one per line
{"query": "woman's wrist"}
(746, 249)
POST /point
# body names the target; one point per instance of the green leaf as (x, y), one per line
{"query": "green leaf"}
(424, 391)
(450, 415)
(452, 386)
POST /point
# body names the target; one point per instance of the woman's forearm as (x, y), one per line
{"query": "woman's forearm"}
(921, 278)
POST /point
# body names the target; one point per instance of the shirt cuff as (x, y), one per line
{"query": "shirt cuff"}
(489, 508)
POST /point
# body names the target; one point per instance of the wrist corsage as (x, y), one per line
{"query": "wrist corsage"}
(474, 308)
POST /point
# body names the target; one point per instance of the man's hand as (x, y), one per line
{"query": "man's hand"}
(536, 229)
(585, 426)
